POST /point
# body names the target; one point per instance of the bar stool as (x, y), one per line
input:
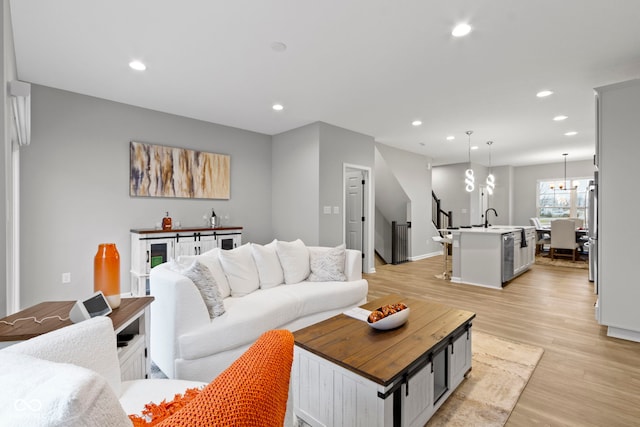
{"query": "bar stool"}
(446, 240)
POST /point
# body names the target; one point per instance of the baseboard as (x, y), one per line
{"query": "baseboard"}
(624, 334)
(425, 256)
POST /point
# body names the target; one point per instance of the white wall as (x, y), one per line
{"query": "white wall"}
(411, 171)
(75, 186)
(526, 182)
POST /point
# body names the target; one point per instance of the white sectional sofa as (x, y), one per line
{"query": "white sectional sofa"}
(282, 285)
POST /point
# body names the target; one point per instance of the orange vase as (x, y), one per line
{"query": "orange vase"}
(106, 273)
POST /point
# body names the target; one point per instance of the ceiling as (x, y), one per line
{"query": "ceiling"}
(370, 66)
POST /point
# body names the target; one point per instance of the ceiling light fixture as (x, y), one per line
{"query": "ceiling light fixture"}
(491, 180)
(564, 186)
(573, 132)
(474, 147)
(278, 47)
(461, 30)
(451, 138)
(560, 118)
(469, 180)
(416, 123)
(137, 65)
(544, 93)
(277, 107)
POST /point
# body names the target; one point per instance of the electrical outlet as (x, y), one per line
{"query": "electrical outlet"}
(66, 277)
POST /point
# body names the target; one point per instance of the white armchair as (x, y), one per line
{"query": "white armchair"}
(71, 377)
(563, 236)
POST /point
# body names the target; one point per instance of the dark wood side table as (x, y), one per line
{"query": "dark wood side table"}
(131, 318)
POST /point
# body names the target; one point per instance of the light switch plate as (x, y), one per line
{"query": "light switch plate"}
(336, 210)
(327, 209)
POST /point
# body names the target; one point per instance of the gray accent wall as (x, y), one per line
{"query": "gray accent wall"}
(337, 147)
(7, 130)
(296, 186)
(515, 194)
(308, 175)
(502, 198)
(75, 187)
(526, 183)
(5, 160)
(448, 184)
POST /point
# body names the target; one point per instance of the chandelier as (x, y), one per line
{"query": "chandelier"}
(564, 186)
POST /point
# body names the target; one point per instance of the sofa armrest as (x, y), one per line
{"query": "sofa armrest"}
(178, 308)
(353, 265)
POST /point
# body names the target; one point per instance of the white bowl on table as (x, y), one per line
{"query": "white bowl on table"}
(392, 321)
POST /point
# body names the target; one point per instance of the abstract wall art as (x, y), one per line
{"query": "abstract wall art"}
(161, 171)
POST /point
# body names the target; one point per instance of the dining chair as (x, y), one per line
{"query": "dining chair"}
(563, 236)
(542, 237)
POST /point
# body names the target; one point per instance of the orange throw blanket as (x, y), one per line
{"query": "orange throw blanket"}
(253, 391)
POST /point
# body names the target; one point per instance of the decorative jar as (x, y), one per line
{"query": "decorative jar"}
(106, 273)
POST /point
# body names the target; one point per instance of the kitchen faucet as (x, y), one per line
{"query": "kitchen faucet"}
(486, 217)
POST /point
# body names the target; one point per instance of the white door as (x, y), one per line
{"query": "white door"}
(354, 210)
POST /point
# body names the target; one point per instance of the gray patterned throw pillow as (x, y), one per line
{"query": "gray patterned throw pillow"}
(202, 277)
(327, 264)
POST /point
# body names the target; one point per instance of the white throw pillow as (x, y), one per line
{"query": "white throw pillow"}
(38, 392)
(241, 271)
(202, 277)
(210, 259)
(294, 258)
(327, 264)
(268, 264)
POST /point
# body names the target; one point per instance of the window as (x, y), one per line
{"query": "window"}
(556, 201)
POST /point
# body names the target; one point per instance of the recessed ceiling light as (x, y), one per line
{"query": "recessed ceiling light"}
(137, 65)
(451, 138)
(416, 123)
(461, 30)
(278, 47)
(474, 147)
(573, 132)
(278, 107)
(560, 118)
(544, 93)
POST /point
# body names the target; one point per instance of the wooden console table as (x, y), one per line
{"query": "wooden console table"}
(347, 373)
(131, 318)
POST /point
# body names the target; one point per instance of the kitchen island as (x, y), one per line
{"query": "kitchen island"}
(492, 256)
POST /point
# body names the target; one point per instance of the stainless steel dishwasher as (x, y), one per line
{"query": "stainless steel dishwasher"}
(507, 256)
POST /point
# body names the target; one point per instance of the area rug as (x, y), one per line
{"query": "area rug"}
(500, 371)
(582, 262)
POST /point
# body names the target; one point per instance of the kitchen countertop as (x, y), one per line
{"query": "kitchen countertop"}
(497, 229)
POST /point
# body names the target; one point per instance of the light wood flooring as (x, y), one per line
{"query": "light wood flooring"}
(584, 377)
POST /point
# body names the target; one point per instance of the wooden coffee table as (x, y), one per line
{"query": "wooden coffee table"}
(347, 373)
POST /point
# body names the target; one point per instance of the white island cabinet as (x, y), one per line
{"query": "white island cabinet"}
(490, 257)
